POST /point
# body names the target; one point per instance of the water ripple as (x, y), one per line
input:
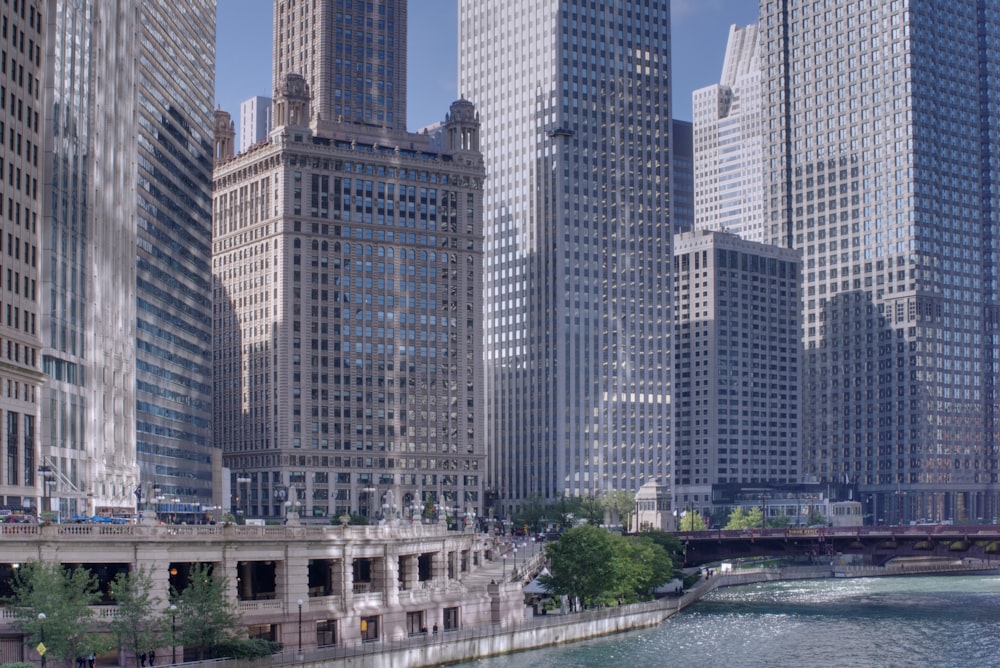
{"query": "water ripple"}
(865, 623)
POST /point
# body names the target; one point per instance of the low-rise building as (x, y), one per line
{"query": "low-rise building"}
(345, 585)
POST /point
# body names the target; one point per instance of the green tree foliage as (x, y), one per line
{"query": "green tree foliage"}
(651, 564)
(741, 518)
(137, 625)
(691, 521)
(530, 514)
(206, 619)
(669, 542)
(64, 597)
(621, 503)
(816, 516)
(599, 567)
(592, 510)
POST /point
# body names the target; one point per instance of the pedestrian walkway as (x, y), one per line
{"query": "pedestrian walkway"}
(525, 563)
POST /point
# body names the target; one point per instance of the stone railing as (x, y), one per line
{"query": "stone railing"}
(228, 532)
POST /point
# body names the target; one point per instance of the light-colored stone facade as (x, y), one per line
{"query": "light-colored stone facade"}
(400, 578)
(348, 318)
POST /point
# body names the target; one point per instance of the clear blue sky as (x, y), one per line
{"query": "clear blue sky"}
(243, 52)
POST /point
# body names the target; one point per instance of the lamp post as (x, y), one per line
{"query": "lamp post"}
(173, 633)
(280, 494)
(300, 629)
(48, 478)
(763, 513)
(41, 637)
(369, 500)
(243, 480)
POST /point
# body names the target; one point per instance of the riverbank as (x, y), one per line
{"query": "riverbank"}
(556, 629)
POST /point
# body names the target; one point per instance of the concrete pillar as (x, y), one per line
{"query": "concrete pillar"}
(412, 573)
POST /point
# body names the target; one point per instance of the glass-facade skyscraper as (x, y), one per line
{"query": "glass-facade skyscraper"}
(881, 121)
(574, 100)
(125, 287)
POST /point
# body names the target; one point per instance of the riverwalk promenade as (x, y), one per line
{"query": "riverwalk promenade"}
(552, 629)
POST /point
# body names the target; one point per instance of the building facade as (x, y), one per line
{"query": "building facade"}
(681, 176)
(21, 159)
(351, 54)
(728, 136)
(881, 131)
(736, 412)
(125, 298)
(575, 107)
(348, 269)
(255, 121)
(309, 588)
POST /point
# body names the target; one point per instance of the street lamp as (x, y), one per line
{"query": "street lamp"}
(280, 494)
(173, 633)
(370, 500)
(48, 478)
(300, 628)
(41, 636)
(244, 480)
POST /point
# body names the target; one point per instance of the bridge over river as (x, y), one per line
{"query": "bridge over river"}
(878, 544)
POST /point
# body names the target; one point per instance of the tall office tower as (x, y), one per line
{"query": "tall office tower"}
(881, 122)
(125, 294)
(728, 137)
(174, 252)
(575, 106)
(682, 176)
(352, 55)
(20, 209)
(255, 121)
(348, 356)
(736, 372)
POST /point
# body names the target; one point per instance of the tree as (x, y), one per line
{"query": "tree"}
(691, 520)
(599, 567)
(816, 516)
(620, 503)
(741, 518)
(134, 626)
(64, 598)
(530, 514)
(654, 565)
(592, 510)
(669, 542)
(207, 618)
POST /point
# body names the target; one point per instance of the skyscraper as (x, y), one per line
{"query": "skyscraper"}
(880, 124)
(575, 105)
(125, 295)
(20, 210)
(682, 176)
(255, 120)
(352, 55)
(348, 270)
(727, 142)
(736, 371)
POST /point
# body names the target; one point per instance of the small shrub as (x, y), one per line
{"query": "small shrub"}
(246, 648)
(17, 664)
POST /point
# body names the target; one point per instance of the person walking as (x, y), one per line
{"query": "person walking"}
(142, 660)
(152, 656)
(90, 660)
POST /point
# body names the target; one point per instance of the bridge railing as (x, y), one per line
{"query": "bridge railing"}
(945, 530)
